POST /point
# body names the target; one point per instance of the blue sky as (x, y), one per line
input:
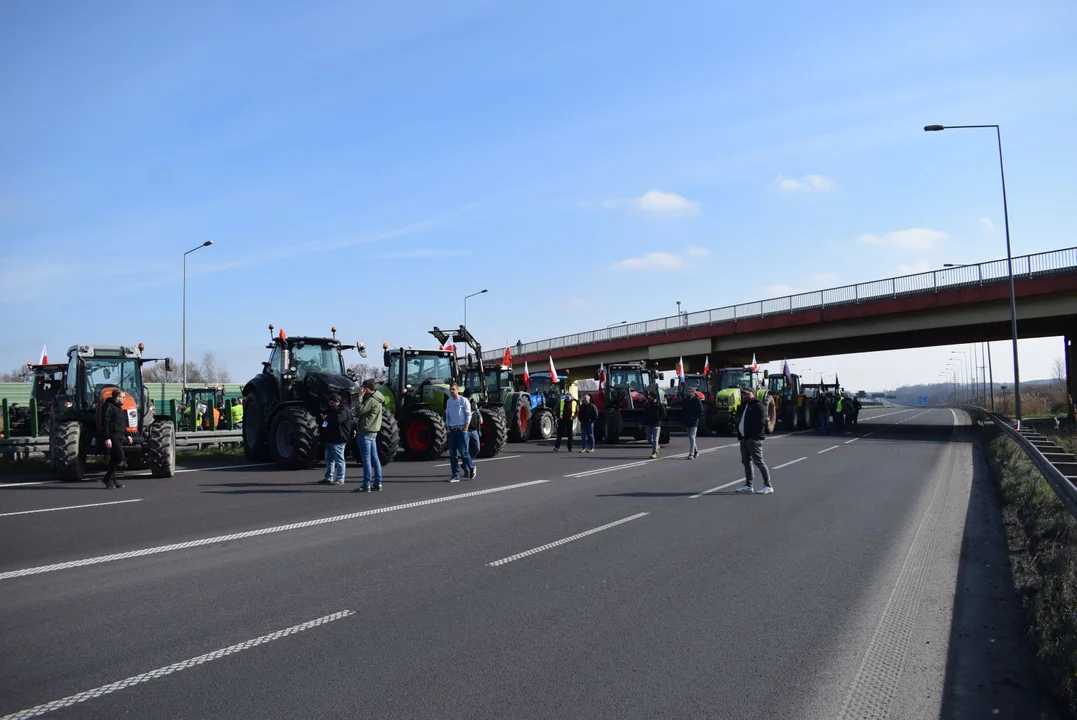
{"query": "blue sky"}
(367, 166)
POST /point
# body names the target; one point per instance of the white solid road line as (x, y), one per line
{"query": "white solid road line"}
(254, 533)
(69, 507)
(832, 447)
(847, 442)
(173, 668)
(222, 467)
(599, 471)
(791, 462)
(499, 457)
(135, 475)
(715, 489)
(36, 482)
(535, 551)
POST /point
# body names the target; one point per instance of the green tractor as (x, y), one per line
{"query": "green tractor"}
(196, 400)
(502, 390)
(93, 372)
(728, 400)
(495, 402)
(281, 405)
(48, 382)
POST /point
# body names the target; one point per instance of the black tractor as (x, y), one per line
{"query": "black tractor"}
(282, 405)
(92, 373)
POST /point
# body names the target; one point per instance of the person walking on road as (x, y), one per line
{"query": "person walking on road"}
(654, 413)
(750, 431)
(458, 418)
(692, 411)
(114, 432)
(474, 443)
(337, 430)
(588, 418)
(370, 405)
(566, 415)
(822, 410)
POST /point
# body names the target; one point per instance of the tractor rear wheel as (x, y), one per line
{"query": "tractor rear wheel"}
(70, 462)
(614, 423)
(519, 419)
(772, 415)
(254, 428)
(293, 437)
(423, 435)
(790, 419)
(543, 423)
(159, 449)
(494, 434)
(388, 438)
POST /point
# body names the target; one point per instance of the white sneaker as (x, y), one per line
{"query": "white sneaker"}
(746, 488)
(765, 490)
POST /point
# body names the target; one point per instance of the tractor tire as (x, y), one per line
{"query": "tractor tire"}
(519, 418)
(159, 449)
(790, 416)
(423, 435)
(543, 424)
(254, 429)
(772, 414)
(293, 438)
(613, 423)
(388, 441)
(494, 434)
(69, 460)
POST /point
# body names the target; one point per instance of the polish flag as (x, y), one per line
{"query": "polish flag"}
(680, 370)
(507, 360)
(450, 348)
(44, 356)
(601, 376)
(755, 365)
(553, 372)
(787, 373)
(707, 365)
(527, 377)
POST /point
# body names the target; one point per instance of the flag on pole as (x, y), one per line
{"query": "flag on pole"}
(527, 377)
(450, 348)
(553, 372)
(680, 370)
(601, 376)
(755, 365)
(507, 360)
(44, 356)
(837, 385)
(787, 373)
(707, 365)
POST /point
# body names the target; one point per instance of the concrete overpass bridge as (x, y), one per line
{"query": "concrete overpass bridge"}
(956, 305)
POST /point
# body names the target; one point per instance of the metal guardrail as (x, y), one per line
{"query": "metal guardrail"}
(24, 446)
(1025, 266)
(1058, 467)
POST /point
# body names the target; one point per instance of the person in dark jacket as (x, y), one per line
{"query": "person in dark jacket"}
(114, 434)
(588, 417)
(692, 411)
(338, 428)
(822, 410)
(474, 428)
(654, 412)
(750, 431)
(566, 416)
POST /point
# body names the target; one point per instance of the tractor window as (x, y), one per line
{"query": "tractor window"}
(471, 381)
(72, 376)
(316, 358)
(429, 368)
(540, 383)
(633, 379)
(777, 384)
(274, 361)
(125, 374)
(735, 379)
(696, 383)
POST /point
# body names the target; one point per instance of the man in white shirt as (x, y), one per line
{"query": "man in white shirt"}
(457, 418)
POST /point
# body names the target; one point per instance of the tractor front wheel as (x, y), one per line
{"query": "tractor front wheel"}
(423, 434)
(159, 450)
(519, 418)
(254, 428)
(388, 441)
(293, 437)
(69, 460)
(494, 434)
(614, 423)
(543, 423)
(771, 415)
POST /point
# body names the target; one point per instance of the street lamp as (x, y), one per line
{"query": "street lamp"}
(207, 243)
(968, 372)
(1009, 258)
(480, 292)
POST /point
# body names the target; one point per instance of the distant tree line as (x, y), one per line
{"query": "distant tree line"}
(208, 371)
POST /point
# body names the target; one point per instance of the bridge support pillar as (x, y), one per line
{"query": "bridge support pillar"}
(1071, 373)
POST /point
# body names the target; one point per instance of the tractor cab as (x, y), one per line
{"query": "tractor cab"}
(196, 400)
(498, 382)
(740, 378)
(410, 371)
(694, 383)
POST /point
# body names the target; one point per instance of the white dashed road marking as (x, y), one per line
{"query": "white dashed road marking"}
(254, 533)
(832, 447)
(535, 551)
(599, 471)
(499, 457)
(791, 462)
(174, 668)
(69, 507)
(715, 489)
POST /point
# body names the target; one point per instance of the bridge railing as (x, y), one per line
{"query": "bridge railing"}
(1024, 266)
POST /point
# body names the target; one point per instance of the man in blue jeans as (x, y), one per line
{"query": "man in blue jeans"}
(337, 429)
(370, 405)
(588, 415)
(458, 418)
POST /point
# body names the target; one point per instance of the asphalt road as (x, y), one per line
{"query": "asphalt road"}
(558, 585)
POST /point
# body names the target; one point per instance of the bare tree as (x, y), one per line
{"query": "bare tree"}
(22, 373)
(1059, 388)
(212, 372)
(156, 373)
(364, 371)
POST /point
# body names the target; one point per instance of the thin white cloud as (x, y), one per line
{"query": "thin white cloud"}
(987, 224)
(808, 183)
(911, 239)
(823, 278)
(653, 202)
(920, 266)
(664, 260)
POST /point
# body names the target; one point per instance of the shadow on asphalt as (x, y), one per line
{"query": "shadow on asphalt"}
(648, 495)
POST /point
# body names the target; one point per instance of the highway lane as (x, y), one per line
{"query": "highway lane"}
(763, 605)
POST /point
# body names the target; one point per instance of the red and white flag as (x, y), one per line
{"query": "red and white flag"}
(527, 377)
(44, 356)
(451, 347)
(601, 375)
(507, 360)
(553, 372)
(755, 365)
(788, 374)
(680, 370)
(707, 365)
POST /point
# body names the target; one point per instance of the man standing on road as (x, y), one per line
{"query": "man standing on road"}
(822, 410)
(458, 418)
(337, 429)
(654, 413)
(588, 418)
(370, 405)
(114, 433)
(692, 410)
(750, 431)
(566, 414)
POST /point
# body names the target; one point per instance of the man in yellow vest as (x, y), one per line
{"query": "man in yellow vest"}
(566, 414)
(237, 412)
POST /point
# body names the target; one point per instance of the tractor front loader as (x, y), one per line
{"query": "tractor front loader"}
(494, 408)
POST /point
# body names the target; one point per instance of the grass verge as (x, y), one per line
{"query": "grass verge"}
(1042, 539)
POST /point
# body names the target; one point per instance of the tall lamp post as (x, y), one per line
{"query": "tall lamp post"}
(207, 243)
(968, 373)
(480, 292)
(1009, 258)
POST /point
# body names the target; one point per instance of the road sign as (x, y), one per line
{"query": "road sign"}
(923, 400)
